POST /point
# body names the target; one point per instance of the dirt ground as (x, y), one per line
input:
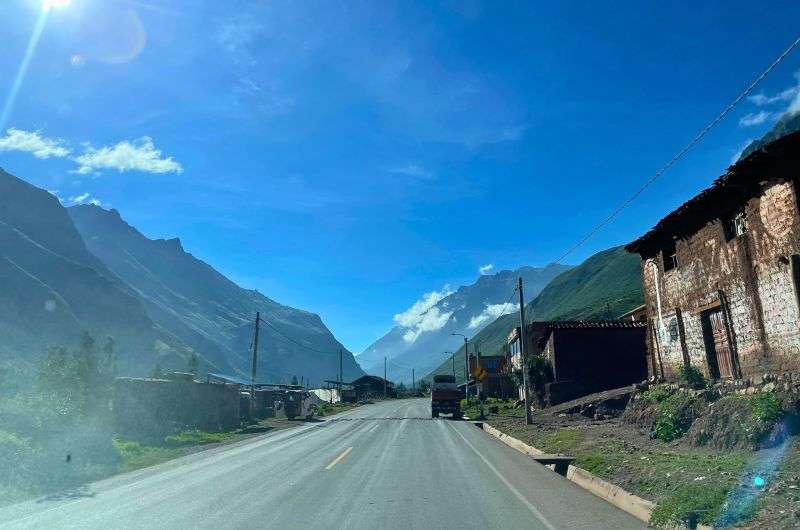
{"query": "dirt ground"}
(682, 477)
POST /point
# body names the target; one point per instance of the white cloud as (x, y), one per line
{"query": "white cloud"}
(760, 100)
(412, 170)
(136, 155)
(84, 198)
(486, 268)
(490, 313)
(423, 315)
(757, 118)
(34, 143)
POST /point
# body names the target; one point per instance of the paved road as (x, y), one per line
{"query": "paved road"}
(386, 465)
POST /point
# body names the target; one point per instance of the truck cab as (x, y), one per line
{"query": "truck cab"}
(300, 403)
(445, 396)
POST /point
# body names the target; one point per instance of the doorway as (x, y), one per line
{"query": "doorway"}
(718, 349)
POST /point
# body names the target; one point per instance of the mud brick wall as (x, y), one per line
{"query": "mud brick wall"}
(157, 407)
(754, 273)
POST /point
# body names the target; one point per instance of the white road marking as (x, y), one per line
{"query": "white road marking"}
(535, 511)
(339, 458)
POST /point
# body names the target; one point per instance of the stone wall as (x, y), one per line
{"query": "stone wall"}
(753, 273)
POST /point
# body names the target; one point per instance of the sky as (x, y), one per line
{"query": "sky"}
(348, 157)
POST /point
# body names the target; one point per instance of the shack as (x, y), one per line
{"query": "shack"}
(372, 386)
(721, 273)
(590, 356)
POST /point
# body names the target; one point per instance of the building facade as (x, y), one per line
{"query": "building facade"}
(721, 274)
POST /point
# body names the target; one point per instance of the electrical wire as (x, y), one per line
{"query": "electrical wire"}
(682, 152)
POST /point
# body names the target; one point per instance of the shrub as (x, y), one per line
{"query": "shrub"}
(674, 417)
(690, 506)
(657, 394)
(766, 407)
(693, 377)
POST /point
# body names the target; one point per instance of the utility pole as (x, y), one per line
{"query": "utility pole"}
(384, 378)
(466, 369)
(413, 383)
(523, 352)
(341, 376)
(453, 358)
(255, 354)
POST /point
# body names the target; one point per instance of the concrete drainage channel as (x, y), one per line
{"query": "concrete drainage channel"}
(638, 507)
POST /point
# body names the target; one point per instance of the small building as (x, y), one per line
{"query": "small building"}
(497, 382)
(372, 386)
(721, 273)
(590, 356)
(585, 356)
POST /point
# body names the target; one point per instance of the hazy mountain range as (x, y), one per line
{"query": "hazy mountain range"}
(66, 271)
(425, 331)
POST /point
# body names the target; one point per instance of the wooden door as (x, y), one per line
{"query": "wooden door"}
(717, 345)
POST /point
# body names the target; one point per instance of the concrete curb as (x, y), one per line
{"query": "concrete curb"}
(638, 507)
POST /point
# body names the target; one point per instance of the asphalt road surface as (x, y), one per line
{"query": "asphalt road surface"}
(387, 465)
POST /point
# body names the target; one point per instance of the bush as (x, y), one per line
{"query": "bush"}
(766, 407)
(674, 417)
(690, 506)
(693, 377)
(657, 394)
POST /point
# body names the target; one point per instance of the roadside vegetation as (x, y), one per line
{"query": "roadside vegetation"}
(704, 459)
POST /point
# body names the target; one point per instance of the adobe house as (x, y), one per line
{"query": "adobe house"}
(585, 356)
(721, 274)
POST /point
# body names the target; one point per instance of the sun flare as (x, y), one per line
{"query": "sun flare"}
(47, 5)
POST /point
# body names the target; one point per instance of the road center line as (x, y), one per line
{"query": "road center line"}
(339, 458)
(535, 511)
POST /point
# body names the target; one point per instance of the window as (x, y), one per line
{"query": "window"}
(734, 225)
(670, 257)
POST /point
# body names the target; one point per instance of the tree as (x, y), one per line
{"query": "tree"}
(294, 380)
(194, 363)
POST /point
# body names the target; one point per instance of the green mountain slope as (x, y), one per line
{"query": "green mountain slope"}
(604, 286)
(789, 123)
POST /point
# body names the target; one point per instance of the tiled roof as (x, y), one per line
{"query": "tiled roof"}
(780, 159)
(589, 324)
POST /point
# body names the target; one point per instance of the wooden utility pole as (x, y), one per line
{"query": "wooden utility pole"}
(523, 353)
(384, 378)
(255, 352)
(413, 383)
(453, 358)
(341, 376)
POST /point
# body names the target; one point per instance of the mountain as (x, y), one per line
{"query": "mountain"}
(788, 123)
(604, 286)
(52, 288)
(197, 307)
(424, 332)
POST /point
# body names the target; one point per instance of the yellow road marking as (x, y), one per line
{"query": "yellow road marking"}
(339, 458)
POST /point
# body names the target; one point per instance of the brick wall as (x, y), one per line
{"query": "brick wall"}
(753, 271)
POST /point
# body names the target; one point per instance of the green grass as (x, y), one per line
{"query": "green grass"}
(136, 456)
(199, 438)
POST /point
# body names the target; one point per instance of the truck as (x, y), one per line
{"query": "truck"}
(300, 403)
(445, 396)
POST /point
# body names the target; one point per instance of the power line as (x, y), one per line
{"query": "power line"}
(682, 152)
(295, 342)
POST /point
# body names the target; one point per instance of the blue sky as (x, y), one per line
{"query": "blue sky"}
(346, 157)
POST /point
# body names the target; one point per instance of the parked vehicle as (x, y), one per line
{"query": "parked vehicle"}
(445, 396)
(300, 403)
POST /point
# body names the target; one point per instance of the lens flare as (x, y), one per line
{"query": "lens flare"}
(47, 5)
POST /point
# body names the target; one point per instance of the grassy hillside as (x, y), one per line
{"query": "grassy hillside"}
(604, 286)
